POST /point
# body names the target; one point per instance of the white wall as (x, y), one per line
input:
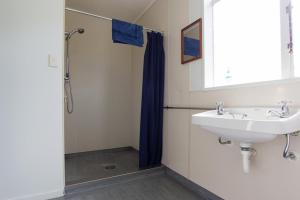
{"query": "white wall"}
(195, 153)
(101, 82)
(31, 103)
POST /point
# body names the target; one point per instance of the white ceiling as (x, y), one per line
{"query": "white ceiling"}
(128, 10)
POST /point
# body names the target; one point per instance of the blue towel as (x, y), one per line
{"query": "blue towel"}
(191, 47)
(127, 33)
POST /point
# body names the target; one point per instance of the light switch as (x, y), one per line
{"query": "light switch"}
(52, 61)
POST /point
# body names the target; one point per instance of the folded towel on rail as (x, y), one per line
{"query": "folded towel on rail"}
(127, 33)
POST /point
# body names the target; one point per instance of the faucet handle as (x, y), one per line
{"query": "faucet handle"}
(284, 102)
(285, 108)
(220, 108)
(220, 103)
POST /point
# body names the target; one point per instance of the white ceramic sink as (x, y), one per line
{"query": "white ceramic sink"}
(248, 125)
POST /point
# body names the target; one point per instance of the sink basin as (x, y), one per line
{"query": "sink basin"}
(248, 125)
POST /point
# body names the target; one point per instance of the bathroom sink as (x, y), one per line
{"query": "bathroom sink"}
(248, 125)
(251, 125)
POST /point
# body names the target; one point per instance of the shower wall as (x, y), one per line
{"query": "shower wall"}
(101, 79)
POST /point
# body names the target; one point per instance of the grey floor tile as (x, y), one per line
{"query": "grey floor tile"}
(152, 188)
(83, 167)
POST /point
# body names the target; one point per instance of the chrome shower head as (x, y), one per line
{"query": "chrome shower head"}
(70, 34)
(80, 30)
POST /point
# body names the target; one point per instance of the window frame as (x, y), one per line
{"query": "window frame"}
(287, 65)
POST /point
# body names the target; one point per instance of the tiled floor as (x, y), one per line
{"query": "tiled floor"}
(83, 167)
(159, 187)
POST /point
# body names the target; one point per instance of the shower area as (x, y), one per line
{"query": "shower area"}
(103, 97)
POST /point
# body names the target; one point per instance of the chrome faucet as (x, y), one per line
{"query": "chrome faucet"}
(284, 110)
(220, 108)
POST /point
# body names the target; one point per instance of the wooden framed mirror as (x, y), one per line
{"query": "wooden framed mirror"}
(191, 42)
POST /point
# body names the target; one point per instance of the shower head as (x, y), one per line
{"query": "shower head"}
(70, 34)
(80, 30)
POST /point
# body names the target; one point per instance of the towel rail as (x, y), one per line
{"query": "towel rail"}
(104, 18)
(186, 108)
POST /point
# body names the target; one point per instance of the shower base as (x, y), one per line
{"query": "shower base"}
(94, 165)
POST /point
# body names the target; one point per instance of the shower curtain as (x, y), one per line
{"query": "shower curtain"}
(151, 126)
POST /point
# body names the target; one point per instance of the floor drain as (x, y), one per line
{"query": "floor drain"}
(110, 167)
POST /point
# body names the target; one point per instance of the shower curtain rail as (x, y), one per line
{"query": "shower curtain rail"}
(105, 18)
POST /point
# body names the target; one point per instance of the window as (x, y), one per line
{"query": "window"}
(250, 40)
(296, 35)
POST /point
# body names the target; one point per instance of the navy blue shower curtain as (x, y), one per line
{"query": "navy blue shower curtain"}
(151, 126)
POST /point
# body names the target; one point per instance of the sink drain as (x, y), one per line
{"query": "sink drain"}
(110, 167)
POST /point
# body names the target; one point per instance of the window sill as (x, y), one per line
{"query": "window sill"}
(255, 84)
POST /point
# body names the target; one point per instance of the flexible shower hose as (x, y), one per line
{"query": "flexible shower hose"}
(69, 96)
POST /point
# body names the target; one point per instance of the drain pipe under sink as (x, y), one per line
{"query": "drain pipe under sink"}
(247, 153)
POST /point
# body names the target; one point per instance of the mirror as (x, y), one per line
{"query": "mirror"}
(191, 42)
